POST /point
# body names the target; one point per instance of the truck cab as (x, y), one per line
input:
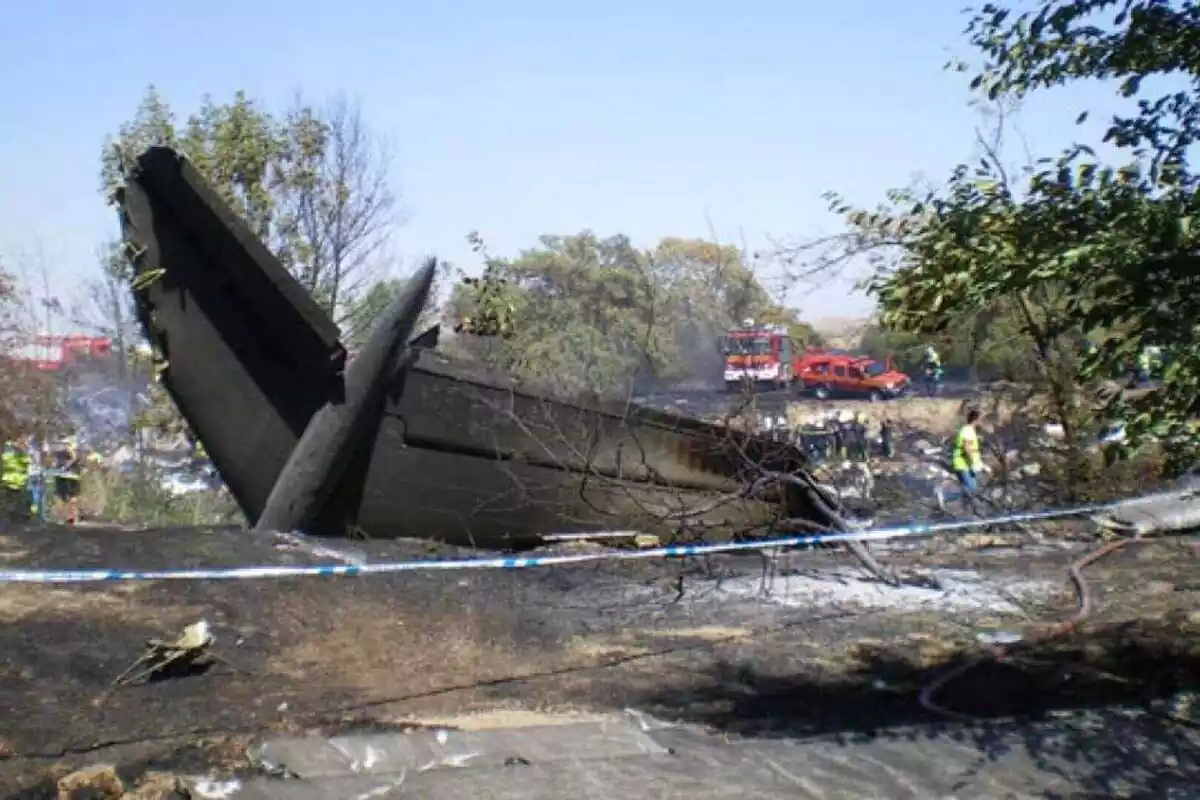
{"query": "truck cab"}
(850, 376)
(757, 356)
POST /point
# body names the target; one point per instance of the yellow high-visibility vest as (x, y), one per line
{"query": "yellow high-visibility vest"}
(966, 450)
(14, 470)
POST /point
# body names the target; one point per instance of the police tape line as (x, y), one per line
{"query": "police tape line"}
(911, 530)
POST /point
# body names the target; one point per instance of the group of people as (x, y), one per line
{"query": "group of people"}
(31, 473)
(843, 435)
(846, 435)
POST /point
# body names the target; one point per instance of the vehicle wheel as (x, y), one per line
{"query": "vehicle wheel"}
(822, 392)
(875, 396)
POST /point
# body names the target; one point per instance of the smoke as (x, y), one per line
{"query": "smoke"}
(700, 353)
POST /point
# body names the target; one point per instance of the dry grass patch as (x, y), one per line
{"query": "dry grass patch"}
(707, 633)
(18, 601)
(11, 550)
(601, 649)
(490, 719)
(941, 416)
(634, 643)
(373, 649)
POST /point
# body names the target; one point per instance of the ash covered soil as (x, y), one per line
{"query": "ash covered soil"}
(812, 650)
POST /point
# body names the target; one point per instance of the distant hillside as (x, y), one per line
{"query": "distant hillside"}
(845, 332)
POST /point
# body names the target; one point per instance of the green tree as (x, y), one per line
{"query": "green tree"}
(106, 309)
(1123, 41)
(312, 183)
(1141, 252)
(585, 314)
(365, 309)
(15, 386)
(1076, 249)
(598, 314)
(336, 206)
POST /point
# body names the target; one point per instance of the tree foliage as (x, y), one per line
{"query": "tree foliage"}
(312, 183)
(1076, 249)
(32, 400)
(1126, 41)
(594, 314)
(368, 305)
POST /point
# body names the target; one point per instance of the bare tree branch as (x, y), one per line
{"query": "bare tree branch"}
(336, 201)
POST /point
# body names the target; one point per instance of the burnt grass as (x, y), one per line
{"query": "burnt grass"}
(382, 652)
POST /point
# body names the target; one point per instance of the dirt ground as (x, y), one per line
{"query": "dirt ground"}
(936, 415)
(488, 648)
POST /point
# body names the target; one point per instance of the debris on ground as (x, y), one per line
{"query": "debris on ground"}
(158, 786)
(942, 590)
(340, 656)
(99, 782)
(210, 788)
(646, 541)
(192, 648)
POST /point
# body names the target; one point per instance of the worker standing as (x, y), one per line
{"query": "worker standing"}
(39, 460)
(933, 370)
(885, 438)
(67, 477)
(967, 461)
(859, 427)
(841, 432)
(14, 480)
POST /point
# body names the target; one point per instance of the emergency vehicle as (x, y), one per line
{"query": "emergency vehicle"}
(764, 356)
(757, 355)
(846, 375)
(49, 353)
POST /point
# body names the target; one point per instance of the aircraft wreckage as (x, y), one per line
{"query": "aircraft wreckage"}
(400, 441)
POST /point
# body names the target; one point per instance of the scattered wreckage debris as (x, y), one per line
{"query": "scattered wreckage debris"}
(1170, 513)
(99, 781)
(191, 649)
(401, 441)
(103, 782)
(1136, 521)
(1010, 647)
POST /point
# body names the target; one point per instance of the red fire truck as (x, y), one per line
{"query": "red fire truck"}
(763, 355)
(48, 353)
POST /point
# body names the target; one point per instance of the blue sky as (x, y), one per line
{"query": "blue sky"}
(521, 118)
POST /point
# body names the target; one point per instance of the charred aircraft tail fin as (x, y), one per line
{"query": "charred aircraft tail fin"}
(249, 355)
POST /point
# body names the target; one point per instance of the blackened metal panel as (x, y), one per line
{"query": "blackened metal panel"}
(245, 383)
(298, 329)
(449, 405)
(456, 456)
(426, 493)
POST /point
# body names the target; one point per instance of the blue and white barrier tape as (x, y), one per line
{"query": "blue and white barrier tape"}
(674, 550)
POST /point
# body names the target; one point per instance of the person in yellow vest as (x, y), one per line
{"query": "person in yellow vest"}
(932, 367)
(14, 481)
(966, 459)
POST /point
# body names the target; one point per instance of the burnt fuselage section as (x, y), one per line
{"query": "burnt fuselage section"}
(450, 452)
